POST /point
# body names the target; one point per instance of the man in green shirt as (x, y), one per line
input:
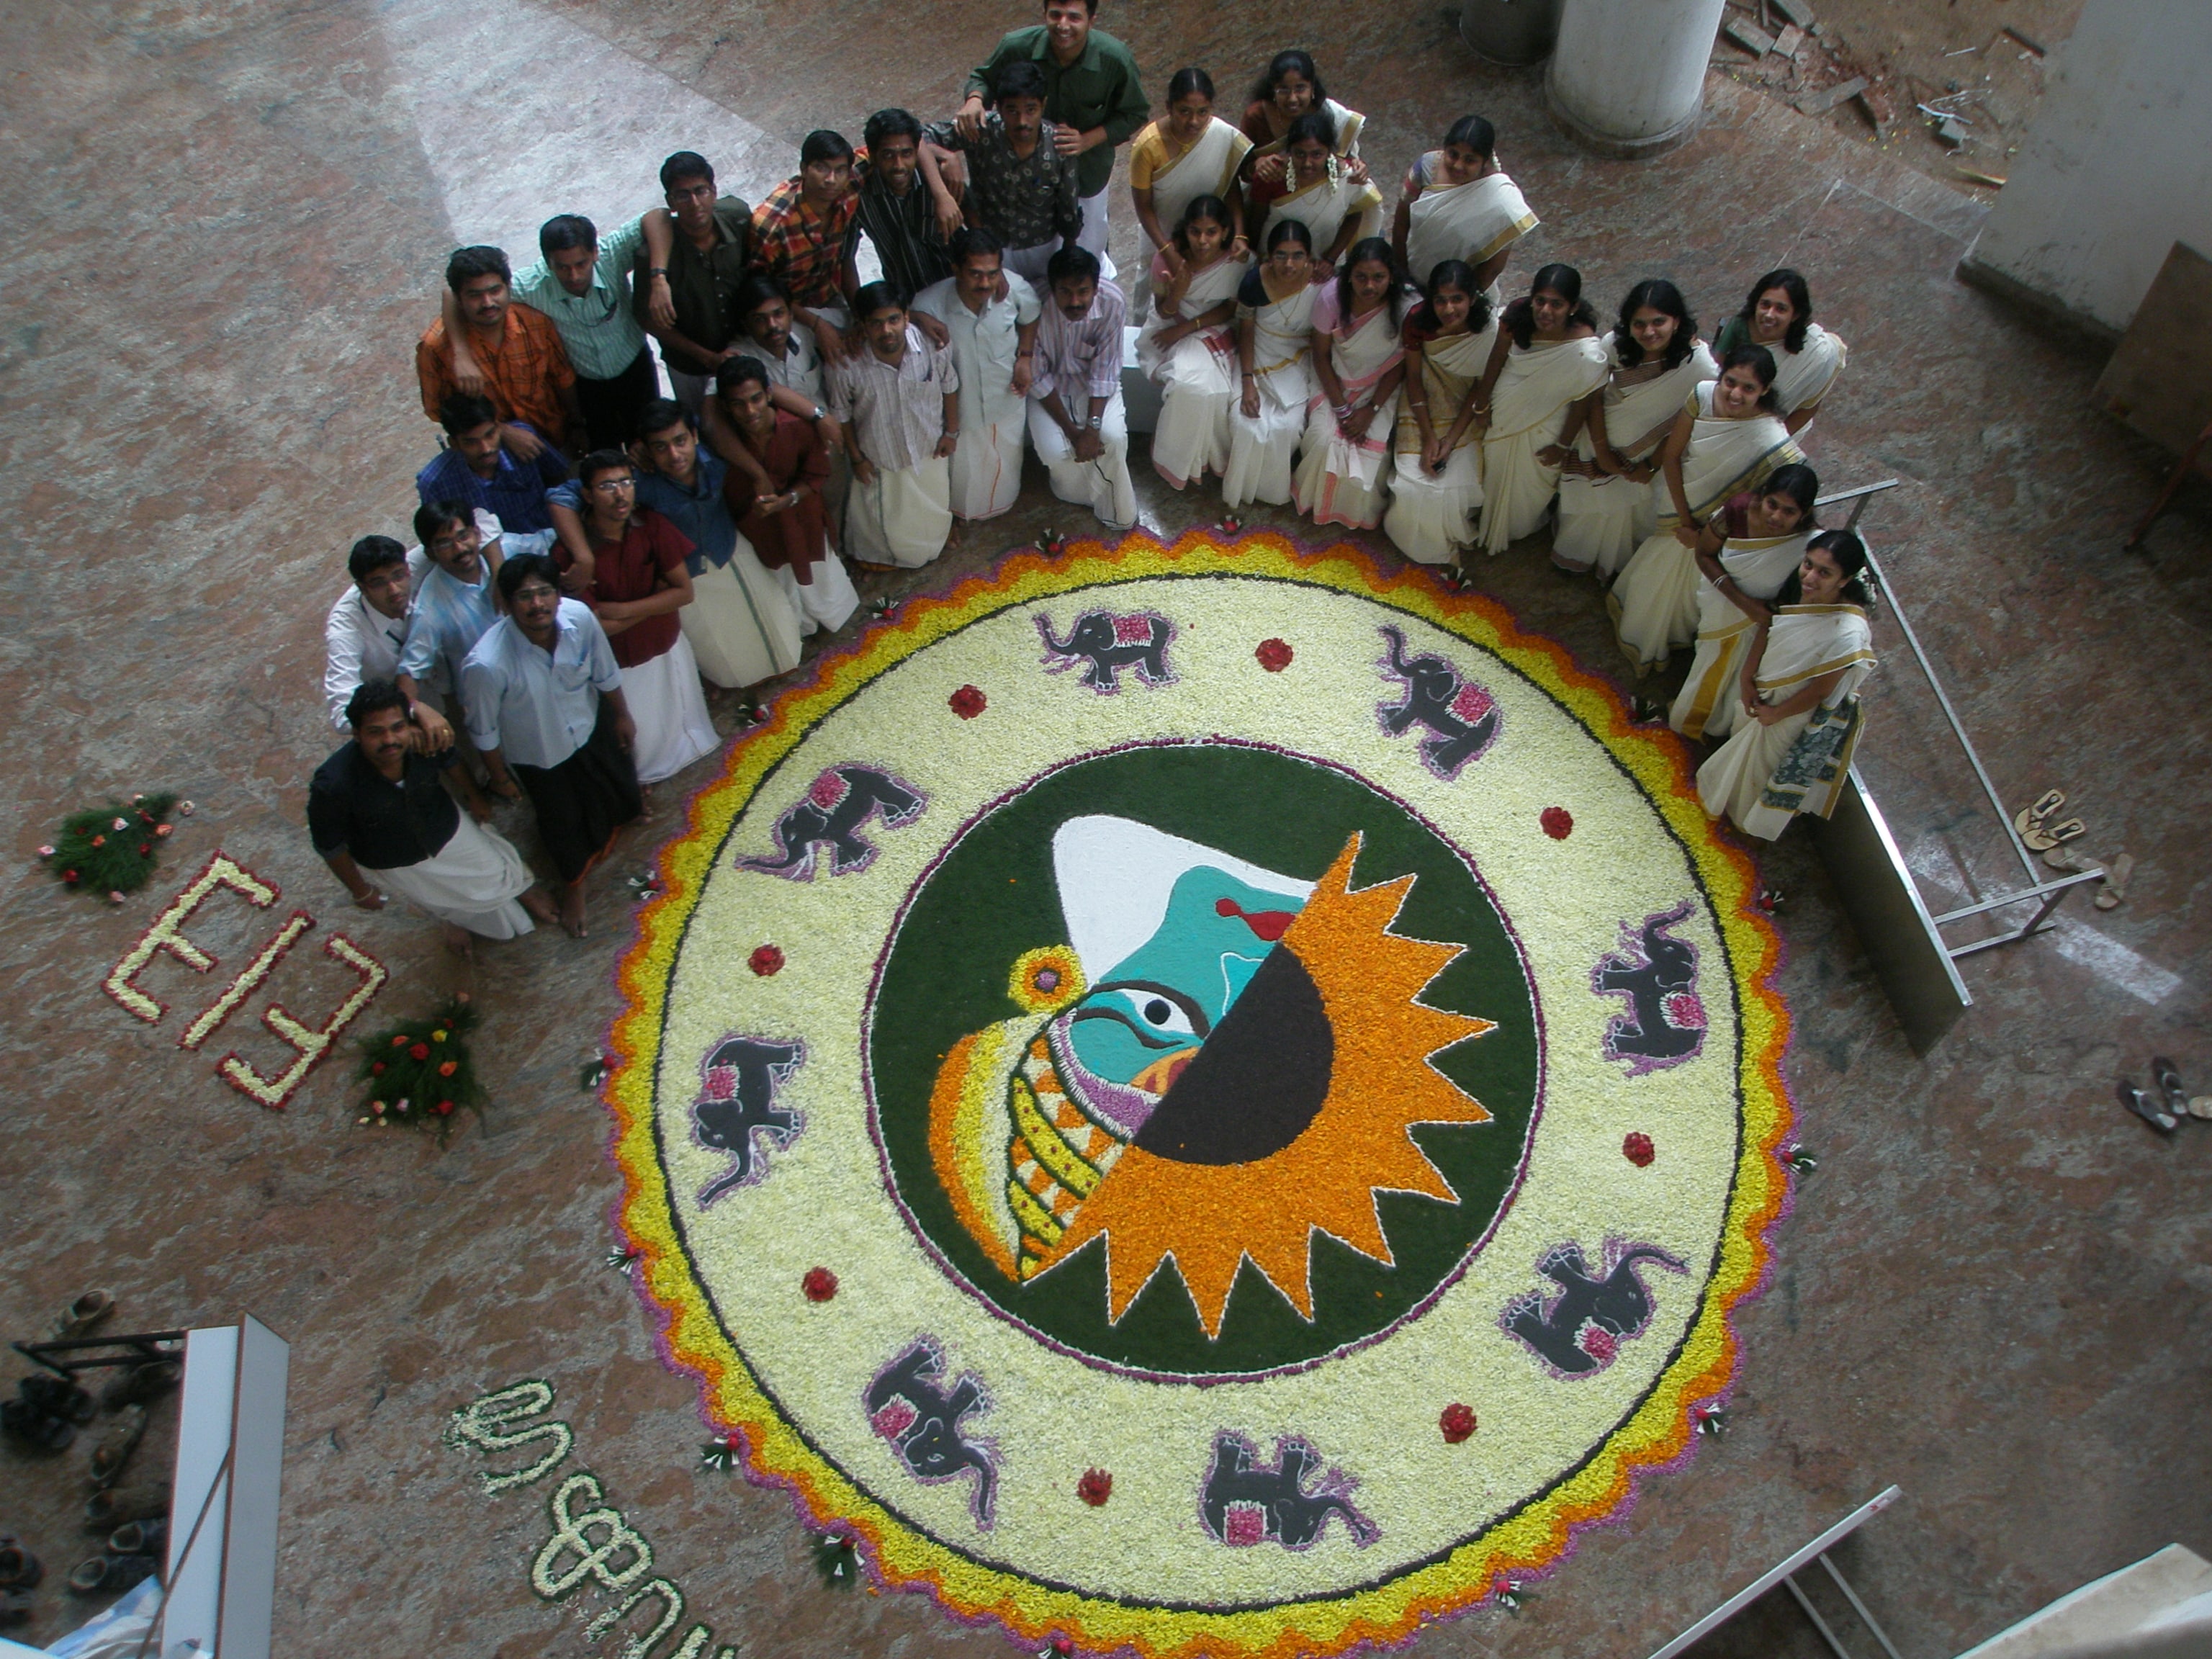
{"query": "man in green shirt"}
(582, 281)
(1092, 96)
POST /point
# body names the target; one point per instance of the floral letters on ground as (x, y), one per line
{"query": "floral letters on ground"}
(310, 1043)
(1260, 1117)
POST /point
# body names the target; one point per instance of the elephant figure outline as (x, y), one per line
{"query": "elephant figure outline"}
(1460, 716)
(837, 806)
(1105, 642)
(1664, 1024)
(731, 1119)
(1245, 1502)
(1578, 1333)
(921, 1420)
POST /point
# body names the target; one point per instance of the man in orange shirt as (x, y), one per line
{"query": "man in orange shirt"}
(517, 351)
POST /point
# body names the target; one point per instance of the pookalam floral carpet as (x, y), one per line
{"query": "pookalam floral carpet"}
(1202, 1099)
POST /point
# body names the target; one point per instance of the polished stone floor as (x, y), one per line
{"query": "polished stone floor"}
(230, 218)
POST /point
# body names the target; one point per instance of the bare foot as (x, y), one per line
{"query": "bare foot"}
(541, 907)
(461, 942)
(571, 909)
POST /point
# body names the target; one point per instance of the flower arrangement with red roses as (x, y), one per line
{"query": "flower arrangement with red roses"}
(420, 1073)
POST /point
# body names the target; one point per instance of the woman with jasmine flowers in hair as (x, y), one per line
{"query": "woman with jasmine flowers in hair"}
(1807, 359)
(1337, 204)
(1728, 439)
(1798, 688)
(1654, 358)
(1291, 87)
(1746, 551)
(1188, 345)
(1435, 481)
(1358, 362)
(1545, 359)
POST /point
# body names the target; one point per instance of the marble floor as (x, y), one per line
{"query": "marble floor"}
(231, 215)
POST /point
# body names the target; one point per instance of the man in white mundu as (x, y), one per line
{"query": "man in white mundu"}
(899, 401)
(995, 349)
(1076, 421)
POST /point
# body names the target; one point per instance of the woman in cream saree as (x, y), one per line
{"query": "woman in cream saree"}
(1547, 359)
(1188, 345)
(1274, 330)
(1798, 686)
(1749, 549)
(1188, 153)
(1459, 204)
(1321, 193)
(1436, 486)
(1726, 441)
(1807, 359)
(1358, 364)
(1653, 360)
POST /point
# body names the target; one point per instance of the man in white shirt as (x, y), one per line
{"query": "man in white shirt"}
(545, 706)
(994, 348)
(366, 627)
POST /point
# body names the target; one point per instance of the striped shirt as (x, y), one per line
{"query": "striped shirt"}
(598, 327)
(902, 229)
(897, 409)
(1082, 356)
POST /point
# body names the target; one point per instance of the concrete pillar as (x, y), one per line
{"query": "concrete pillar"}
(1628, 76)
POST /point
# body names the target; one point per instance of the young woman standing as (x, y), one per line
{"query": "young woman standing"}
(1274, 336)
(1187, 153)
(1807, 359)
(1358, 362)
(1459, 204)
(1435, 484)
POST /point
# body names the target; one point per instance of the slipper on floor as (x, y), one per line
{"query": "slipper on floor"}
(2117, 874)
(2031, 818)
(115, 1447)
(81, 1314)
(2146, 1109)
(19, 1568)
(110, 1573)
(138, 1537)
(2043, 837)
(22, 1422)
(57, 1396)
(110, 1508)
(2169, 1084)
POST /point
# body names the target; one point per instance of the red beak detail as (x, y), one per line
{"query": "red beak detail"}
(1269, 925)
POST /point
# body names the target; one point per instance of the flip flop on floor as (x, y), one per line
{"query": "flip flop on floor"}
(81, 1314)
(2030, 818)
(2169, 1084)
(114, 1450)
(2144, 1108)
(2042, 838)
(110, 1573)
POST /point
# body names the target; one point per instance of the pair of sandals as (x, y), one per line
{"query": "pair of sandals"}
(2038, 833)
(20, 1572)
(2172, 1104)
(128, 1560)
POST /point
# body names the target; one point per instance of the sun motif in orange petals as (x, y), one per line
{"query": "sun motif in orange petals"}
(1209, 1216)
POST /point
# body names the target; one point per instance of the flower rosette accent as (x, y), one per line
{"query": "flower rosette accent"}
(1053, 960)
(420, 1073)
(112, 850)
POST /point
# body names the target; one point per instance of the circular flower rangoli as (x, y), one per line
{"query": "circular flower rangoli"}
(1212, 1075)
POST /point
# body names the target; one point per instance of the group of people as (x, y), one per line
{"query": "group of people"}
(565, 619)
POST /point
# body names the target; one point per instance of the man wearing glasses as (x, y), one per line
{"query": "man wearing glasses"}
(546, 708)
(635, 579)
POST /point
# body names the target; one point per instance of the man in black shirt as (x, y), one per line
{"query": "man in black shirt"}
(896, 213)
(378, 812)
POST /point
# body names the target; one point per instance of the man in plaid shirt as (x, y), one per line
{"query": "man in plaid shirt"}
(802, 238)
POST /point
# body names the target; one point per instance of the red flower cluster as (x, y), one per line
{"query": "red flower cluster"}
(1274, 655)
(420, 1051)
(1095, 1487)
(1558, 822)
(445, 1108)
(968, 702)
(1457, 1423)
(766, 959)
(819, 1285)
(1637, 1148)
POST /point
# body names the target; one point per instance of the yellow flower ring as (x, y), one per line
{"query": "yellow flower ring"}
(1280, 1069)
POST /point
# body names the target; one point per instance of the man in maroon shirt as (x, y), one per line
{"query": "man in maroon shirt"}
(635, 583)
(787, 525)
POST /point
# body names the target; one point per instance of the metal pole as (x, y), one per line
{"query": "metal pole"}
(1813, 1613)
(1859, 1607)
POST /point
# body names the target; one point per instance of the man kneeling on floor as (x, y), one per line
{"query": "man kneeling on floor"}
(1076, 423)
(899, 399)
(545, 704)
(379, 813)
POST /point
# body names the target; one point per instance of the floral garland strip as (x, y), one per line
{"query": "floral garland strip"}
(311, 1042)
(167, 932)
(1656, 1433)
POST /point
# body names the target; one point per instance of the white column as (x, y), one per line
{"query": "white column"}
(1628, 76)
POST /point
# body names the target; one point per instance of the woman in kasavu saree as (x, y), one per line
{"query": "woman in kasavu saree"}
(1459, 204)
(1726, 441)
(1808, 358)
(1798, 688)
(1746, 551)
(1358, 362)
(1274, 347)
(1654, 358)
(1547, 359)
(1189, 345)
(1436, 483)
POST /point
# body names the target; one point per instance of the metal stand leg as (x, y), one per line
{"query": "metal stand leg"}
(1857, 1606)
(1813, 1613)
